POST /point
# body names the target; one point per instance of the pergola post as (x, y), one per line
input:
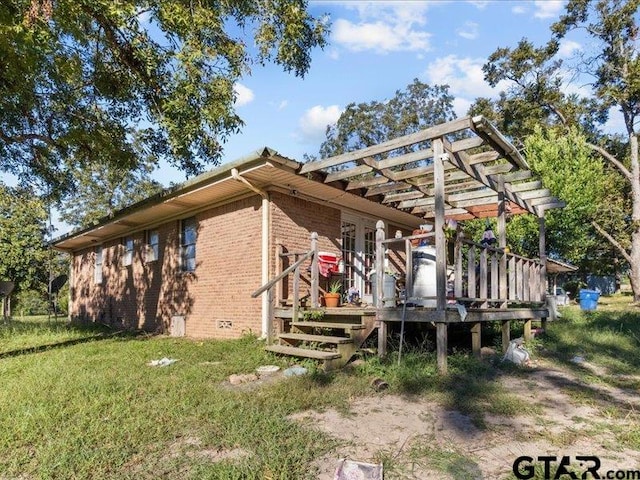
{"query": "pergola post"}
(379, 303)
(441, 253)
(502, 243)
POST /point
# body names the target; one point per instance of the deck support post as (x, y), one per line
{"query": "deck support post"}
(441, 242)
(378, 301)
(543, 262)
(527, 330)
(502, 244)
(476, 339)
(506, 335)
(441, 346)
(315, 285)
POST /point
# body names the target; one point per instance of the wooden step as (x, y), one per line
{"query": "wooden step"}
(305, 337)
(344, 326)
(303, 352)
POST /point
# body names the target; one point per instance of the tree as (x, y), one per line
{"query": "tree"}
(102, 189)
(23, 228)
(614, 66)
(134, 77)
(365, 124)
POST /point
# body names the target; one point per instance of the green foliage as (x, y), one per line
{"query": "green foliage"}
(569, 168)
(122, 81)
(364, 124)
(30, 302)
(102, 189)
(23, 252)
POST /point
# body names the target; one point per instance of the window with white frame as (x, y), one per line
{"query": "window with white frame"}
(127, 259)
(153, 242)
(188, 234)
(97, 273)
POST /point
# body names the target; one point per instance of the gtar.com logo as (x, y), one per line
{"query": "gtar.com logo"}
(565, 468)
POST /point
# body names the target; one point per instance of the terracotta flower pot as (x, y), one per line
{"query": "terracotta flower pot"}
(331, 300)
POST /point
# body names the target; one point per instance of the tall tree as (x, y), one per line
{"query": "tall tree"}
(23, 228)
(614, 66)
(364, 124)
(86, 76)
(102, 189)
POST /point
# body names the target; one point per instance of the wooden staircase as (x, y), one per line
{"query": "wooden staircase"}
(333, 339)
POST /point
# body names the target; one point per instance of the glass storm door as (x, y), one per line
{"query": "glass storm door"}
(358, 253)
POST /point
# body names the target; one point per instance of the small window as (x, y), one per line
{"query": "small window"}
(152, 245)
(128, 252)
(188, 244)
(97, 274)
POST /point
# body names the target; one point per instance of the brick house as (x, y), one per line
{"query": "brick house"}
(186, 260)
(203, 259)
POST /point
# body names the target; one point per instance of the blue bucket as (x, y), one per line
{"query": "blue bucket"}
(588, 299)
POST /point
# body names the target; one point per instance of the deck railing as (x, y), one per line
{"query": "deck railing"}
(296, 268)
(479, 275)
(494, 277)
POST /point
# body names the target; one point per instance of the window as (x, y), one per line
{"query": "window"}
(97, 274)
(152, 245)
(188, 244)
(128, 251)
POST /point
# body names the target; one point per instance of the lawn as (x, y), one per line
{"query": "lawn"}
(94, 409)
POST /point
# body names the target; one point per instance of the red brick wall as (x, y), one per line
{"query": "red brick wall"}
(293, 219)
(228, 269)
(215, 299)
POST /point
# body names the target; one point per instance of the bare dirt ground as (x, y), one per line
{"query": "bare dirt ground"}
(419, 439)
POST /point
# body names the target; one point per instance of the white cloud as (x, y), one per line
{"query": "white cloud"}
(548, 8)
(244, 95)
(468, 31)
(568, 47)
(384, 27)
(461, 106)
(333, 53)
(313, 123)
(283, 104)
(479, 4)
(519, 9)
(463, 75)
(380, 37)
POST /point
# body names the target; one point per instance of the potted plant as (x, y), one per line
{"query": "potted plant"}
(332, 296)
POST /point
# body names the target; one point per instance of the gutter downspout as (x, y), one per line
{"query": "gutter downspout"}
(266, 320)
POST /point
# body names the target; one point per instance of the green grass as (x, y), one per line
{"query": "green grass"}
(29, 332)
(608, 337)
(96, 410)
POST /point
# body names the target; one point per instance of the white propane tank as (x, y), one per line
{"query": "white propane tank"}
(424, 275)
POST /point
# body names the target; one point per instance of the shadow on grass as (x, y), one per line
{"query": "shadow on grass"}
(38, 333)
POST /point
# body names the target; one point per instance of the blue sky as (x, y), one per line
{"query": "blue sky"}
(376, 48)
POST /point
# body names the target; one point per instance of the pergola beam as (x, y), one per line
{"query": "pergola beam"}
(404, 141)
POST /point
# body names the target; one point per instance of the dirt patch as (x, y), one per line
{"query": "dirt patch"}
(192, 447)
(419, 439)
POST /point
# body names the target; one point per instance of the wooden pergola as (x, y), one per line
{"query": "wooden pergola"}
(460, 170)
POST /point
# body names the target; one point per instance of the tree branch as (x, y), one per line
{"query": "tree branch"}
(611, 159)
(613, 242)
(26, 137)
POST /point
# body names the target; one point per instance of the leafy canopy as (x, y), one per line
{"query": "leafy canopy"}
(364, 124)
(134, 78)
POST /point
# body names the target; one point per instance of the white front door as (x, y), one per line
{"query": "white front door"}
(358, 253)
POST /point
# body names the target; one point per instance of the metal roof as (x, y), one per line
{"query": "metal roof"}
(393, 180)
